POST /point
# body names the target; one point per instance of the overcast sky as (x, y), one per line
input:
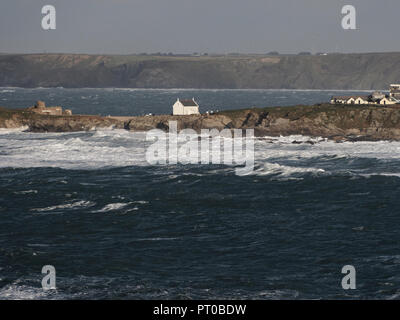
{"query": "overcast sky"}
(186, 26)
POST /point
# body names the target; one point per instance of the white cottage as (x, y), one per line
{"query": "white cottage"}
(362, 100)
(185, 107)
(350, 100)
(386, 101)
(377, 98)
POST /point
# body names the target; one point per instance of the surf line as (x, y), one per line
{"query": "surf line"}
(208, 147)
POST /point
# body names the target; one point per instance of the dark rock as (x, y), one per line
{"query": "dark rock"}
(338, 123)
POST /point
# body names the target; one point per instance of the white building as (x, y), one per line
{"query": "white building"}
(374, 98)
(350, 100)
(386, 101)
(395, 91)
(185, 107)
(361, 100)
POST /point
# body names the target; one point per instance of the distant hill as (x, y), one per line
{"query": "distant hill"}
(332, 71)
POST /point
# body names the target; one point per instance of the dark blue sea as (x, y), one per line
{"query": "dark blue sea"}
(116, 227)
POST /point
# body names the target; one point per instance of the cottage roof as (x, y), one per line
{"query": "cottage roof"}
(349, 97)
(189, 103)
(363, 97)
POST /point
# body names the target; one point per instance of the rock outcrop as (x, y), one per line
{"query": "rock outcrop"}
(336, 122)
(195, 122)
(49, 123)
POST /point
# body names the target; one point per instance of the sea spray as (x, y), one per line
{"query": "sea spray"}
(215, 147)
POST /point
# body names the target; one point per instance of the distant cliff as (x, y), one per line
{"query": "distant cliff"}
(336, 122)
(333, 71)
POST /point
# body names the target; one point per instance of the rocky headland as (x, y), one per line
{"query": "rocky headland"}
(336, 122)
(331, 71)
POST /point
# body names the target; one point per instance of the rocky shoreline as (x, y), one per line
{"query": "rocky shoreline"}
(335, 122)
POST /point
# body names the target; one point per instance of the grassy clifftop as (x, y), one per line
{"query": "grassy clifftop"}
(335, 71)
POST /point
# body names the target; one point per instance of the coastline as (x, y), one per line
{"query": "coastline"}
(246, 71)
(334, 122)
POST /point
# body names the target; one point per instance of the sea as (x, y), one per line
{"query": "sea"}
(114, 226)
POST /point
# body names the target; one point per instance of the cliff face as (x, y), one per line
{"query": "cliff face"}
(333, 122)
(334, 71)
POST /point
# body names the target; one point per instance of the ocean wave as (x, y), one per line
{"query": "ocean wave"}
(112, 207)
(293, 138)
(157, 239)
(283, 170)
(127, 287)
(383, 174)
(69, 205)
(26, 192)
(16, 291)
(109, 148)
(83, 150)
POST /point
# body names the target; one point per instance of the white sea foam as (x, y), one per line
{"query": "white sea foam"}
(275, 168)
(157, 239)
(13, 130)
(26, 192)
(113, 207)
(85, 150)
(385, 174)
(287, 147)
(69, 205)
(22, 292)
(120, 148)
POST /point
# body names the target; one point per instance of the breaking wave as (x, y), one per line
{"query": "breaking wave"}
(284, 171)
(283, 156)
(112, 207)
(71, 205)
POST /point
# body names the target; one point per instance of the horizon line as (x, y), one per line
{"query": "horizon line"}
(200, 54)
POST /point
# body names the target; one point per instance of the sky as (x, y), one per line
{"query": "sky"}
(203, 26)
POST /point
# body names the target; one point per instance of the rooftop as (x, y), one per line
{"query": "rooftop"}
(349, 97)
(189, 102)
